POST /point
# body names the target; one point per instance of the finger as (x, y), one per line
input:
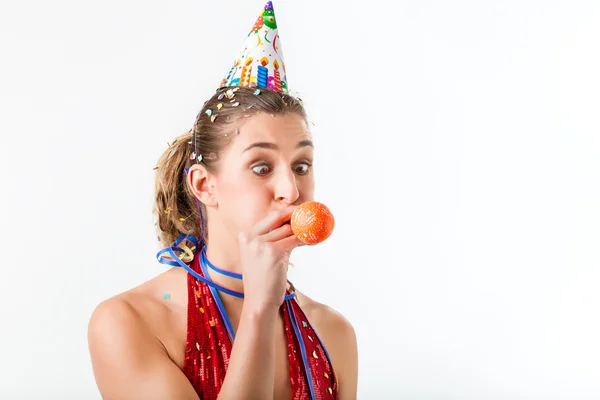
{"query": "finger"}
(288, 244)
(273, 220)
(277, 234)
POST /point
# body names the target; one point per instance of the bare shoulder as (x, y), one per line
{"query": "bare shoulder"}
(325, 317)
(128, 359)
(339, 337)
(118, 316)
(125, 314)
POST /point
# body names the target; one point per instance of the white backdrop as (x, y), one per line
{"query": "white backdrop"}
(458, 145)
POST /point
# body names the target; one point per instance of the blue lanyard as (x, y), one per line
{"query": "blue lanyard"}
(204, 263)
(171, 250)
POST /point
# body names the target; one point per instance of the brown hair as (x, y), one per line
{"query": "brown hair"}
(176, 207)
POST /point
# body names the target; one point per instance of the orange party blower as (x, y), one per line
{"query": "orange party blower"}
(312, 222)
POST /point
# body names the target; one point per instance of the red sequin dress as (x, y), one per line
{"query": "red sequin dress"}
(208, 347)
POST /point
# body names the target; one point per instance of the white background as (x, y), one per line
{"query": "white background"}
(458, 145)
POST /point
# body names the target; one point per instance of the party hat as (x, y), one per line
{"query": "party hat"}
(260, 62)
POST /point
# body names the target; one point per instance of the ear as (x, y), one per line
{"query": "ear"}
(202, 184)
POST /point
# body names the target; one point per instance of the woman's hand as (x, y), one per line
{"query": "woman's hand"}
(265, 254)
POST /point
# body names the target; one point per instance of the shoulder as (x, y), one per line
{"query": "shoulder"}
(131, 315)
(116, 334)
(326, 318)
(124, 311)
(122, 327)
(120, 309)
(128, 359)
(138, 309)
(117, 325)
(339, 337)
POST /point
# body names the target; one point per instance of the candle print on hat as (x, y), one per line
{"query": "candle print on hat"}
(260, 63)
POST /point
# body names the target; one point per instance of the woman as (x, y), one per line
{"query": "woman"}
(228, 187)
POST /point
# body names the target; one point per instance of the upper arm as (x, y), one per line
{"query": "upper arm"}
(128, 361)
(346, 365)
(339, 338)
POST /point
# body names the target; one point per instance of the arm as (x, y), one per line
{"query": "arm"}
(128, 361)
(265, 253)
(347, 365)
(251, 371)
(339, 338)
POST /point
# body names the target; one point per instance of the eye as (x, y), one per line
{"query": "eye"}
(302, 169)
(261, 169)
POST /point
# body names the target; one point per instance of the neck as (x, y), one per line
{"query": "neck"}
(223, 252)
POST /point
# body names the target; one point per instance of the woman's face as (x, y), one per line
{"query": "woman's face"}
(266, 167)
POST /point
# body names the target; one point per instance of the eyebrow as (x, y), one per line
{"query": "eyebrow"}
(273, 146)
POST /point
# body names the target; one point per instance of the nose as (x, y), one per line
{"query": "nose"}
(286, 189)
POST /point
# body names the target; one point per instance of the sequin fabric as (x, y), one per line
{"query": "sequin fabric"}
(208, 347)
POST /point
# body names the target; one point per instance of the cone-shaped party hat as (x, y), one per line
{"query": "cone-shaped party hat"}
(260, 62)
